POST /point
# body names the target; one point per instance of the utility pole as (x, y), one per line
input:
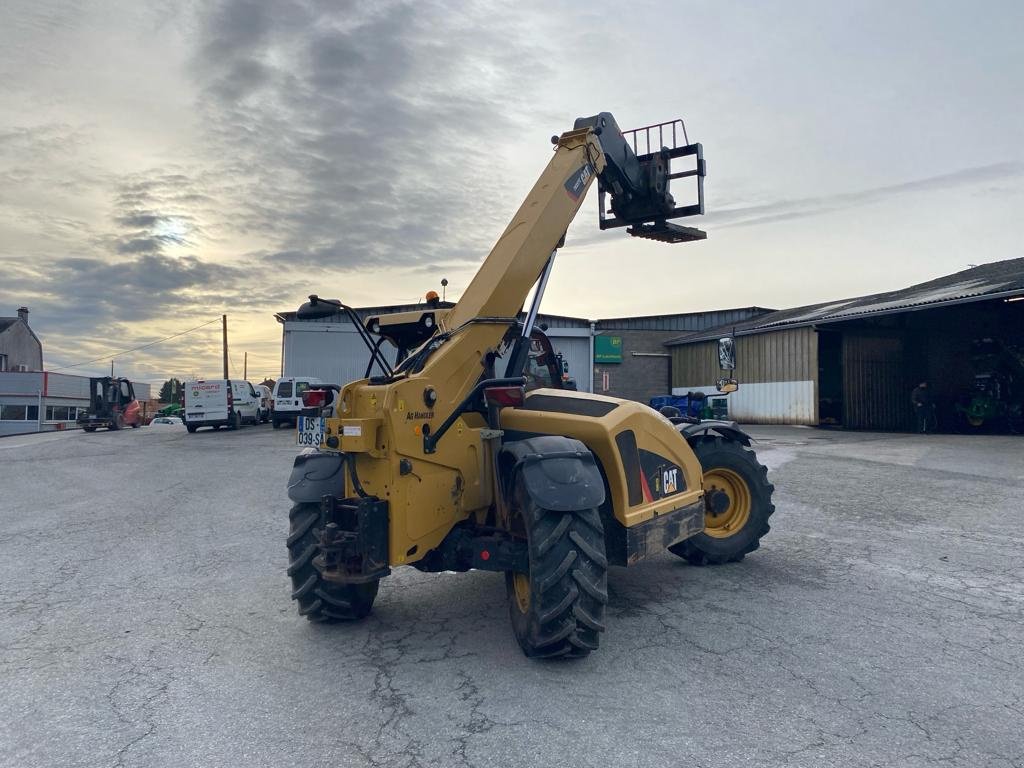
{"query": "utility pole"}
(245, 366)
(111, 368)
(224, 322)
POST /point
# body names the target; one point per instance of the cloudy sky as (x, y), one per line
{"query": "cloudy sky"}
(162, 163)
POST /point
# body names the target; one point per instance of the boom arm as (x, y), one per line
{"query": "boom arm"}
(515, 262)
(639, 189)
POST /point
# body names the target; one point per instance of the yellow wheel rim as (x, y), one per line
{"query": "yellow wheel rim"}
(975, 421)
(737, 514)
(521, 584)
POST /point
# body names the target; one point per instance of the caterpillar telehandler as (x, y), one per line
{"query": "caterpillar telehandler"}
(469, 453)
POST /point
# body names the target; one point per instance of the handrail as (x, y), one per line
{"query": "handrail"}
(430, 439)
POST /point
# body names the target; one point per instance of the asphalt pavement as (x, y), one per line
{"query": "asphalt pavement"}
(145, 620)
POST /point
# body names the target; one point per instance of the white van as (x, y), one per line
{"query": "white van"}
(265, 396)
(220, 403)
(286, 405)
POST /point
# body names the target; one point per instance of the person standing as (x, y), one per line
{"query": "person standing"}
(924, 408)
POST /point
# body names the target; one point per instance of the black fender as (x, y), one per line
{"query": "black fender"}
(727, 429)
(316, 474)
(559, 473)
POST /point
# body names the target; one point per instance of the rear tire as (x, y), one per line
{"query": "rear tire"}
(276, 424)
(318, 600)
(737, 530)
(235, 420)
(557, 609)
(89, 429)
(191, 428)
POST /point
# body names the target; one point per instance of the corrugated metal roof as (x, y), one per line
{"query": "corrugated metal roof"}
(684, 321)
(995, 280)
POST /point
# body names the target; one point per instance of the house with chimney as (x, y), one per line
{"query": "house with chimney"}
(20, 348)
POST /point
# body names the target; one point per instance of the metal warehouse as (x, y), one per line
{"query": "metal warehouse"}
(623, 357)
(330, 349)
(630, 358)
(855, 362)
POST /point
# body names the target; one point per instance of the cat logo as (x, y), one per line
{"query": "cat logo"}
(670, 480)
(576, 184)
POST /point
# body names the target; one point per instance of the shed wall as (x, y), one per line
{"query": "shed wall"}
(644, 370)
(332, 352)
(777, 371)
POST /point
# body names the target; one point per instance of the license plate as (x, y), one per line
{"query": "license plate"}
(310, 431)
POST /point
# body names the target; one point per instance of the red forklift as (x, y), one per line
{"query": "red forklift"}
(112, 404)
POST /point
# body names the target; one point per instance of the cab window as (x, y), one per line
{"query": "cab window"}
(541, 365)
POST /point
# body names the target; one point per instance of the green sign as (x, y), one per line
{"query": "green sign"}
(607, 349)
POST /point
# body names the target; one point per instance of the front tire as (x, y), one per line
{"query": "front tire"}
(735, 529)
(557, 609)
(318, 600)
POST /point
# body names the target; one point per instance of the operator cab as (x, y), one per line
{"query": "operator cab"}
(544, 367)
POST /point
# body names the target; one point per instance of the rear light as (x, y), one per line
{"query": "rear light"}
(505, 397)
(231, 398)
(314, 398)
(271, 402)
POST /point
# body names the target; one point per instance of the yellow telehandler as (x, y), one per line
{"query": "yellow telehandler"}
(468, 453)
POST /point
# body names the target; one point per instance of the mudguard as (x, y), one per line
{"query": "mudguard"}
(727, 429)
(559, 473)
(316, 474)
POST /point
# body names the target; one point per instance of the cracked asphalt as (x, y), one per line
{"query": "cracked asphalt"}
(145, 620)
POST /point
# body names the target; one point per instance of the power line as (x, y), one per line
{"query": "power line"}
(136, 349)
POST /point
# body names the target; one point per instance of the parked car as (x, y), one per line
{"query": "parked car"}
(166, 421)
(220, 403)
(265, 398)
(286, 405)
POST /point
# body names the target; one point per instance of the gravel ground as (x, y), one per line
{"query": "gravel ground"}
(145, 620)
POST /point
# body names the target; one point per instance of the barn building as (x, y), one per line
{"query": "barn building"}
(855, 362)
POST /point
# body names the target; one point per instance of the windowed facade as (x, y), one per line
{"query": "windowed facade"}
(19, 412)
(62, 412)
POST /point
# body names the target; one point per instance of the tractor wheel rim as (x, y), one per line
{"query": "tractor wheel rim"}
(521, 587)
(734, 517)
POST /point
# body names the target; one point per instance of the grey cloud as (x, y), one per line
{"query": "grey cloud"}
(79, 297)
(139, 220)
(152, 244)
(342, 123)
(788, 210)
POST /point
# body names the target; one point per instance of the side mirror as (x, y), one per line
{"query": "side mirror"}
(725, 386)
(727, 353)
